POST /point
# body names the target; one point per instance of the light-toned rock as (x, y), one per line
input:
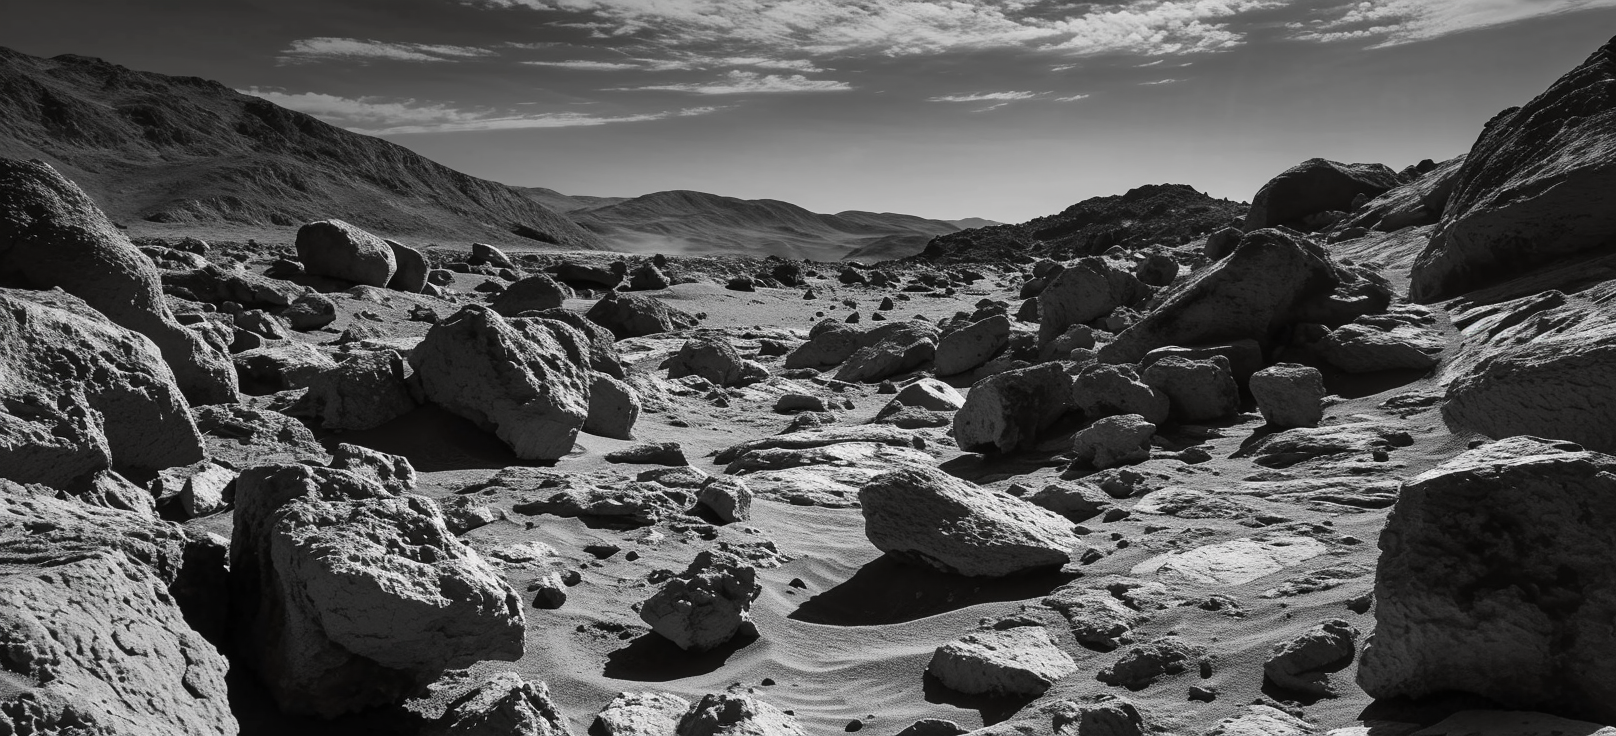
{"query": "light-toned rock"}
(614, 407)
(930, 393)
(337, 249)
(707, 605)
(1007, 411)
(809, 438)
(1234, 562)
(511, 378)
(1016, 662)
(1263, 720)
(504, 704)
(829, 343)
(729, 498)
(1098, 619)
(1114, 441)
(928, 517)
(640, 714)
(736, 714)
(1289, 395)
(393, 472)
(281, 365)
(970, 346)
(1399, 340)
(207, 490)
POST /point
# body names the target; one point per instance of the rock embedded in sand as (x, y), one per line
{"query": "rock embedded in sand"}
(510, 378)
(650, 453)
(504, 704)
(1017, 662)
(1303, 664)
(535, 293)
(930, 394)
(346, 596)
(94, 639)
(310, 312)
(1495, 579)
(634, 315)
(1098, 619)
(736, 714)
(640, 714)
(821, 437)
(1142, 665)
(81, 395)
(1314, 186)
(337, 249)
(1263, 720)
(972, 345)
(1233, 562)
(1007, 411)
(1113, 441)
(53, 236)
(729, 498)
(1289, 395)
(707, 605)
(1077, 501)
(614, 407)
(928, 517)
(1196, 390)
(714, 359)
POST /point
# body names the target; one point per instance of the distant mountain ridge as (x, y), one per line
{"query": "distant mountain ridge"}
(187, 150)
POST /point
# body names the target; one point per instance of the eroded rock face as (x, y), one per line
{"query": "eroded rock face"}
(346, 596)
(634, 315)
(1420, 202)
(1494, 579)
(707, 605)
(81, 395)
(1114, 441)
(890, 350)
(715, 360)
(736, 714)
(1314, 186)
(1541, 382)
(1086, 290)
(93, 638)
(972, 345)
(411, 271)
(341, 251)
(366, 389)
(1531, 190)
(929, 517)
(511, 378)
(1007, 411)
(1021, 661)
(53, 236)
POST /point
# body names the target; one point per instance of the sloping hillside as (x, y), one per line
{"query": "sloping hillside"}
(701, 223)
(161, 149)
(1169, 214)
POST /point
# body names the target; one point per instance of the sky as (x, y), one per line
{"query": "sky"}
(1006, 109)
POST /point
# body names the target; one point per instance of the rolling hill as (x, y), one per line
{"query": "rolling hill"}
(188, 151)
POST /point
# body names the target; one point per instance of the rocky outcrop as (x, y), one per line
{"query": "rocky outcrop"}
(1531, 190)
(346, 596)
(1494, 579)
(1419, 202)
(1316, 186)
(1017, 662)
(707, 605)
(634, 315)
(81, 395)
(93, 638)
(1271, 281)
(341, 251)
(1086, 290)
(53, 236)
(1008, 411)
(928, 517)
(1399, 340)
(511, 378)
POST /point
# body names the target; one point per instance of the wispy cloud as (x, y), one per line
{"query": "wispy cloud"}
(986, 97)
(1073, 98)
(310, 49)
(1395, 22)
(687, 62)
(1155, 28)
(743, 82)
(375, 116)
(588, 65)
(1160, 81)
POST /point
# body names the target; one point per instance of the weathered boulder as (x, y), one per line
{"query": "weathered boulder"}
(483, 254)
(1142, 665)
(640, 714)
(1547, 375)
(1400, 340)
(365, 390)
(1221, 243)
(1419, 202)
(1017, 662)
(650, 453)
(310, 312)
(535, 293)
(241, 436)
(829, 343)
(821, 437)
(647, 277)
(411, 271)
(511, 378)
(930, 393)
(393, 472)
(736, 714)
(1314, 186)
(1089, 288)
(1113, 441)
(972, 345)
(1531, 190)
(1098, 619)
(1103, 390)
(634, 315)
(95, 642)
(53, 236)
(1008, 410)
(341, 251)
(1075, 501)
(1196, 390)
(281, 365)
(728, 498)
(889, 350)
(614, 407)
(715, 360)
(707, 605)
(928, 517)
(597, 344)
(1289, 395)
(1494, 578)
(345, 596)
(80, 395)
(504, 704)
(1304, 664)
(1245, 356)
(1156, 268)
(1271, 281)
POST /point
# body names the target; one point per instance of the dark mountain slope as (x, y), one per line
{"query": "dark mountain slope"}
(187, 150)
(1169, 214)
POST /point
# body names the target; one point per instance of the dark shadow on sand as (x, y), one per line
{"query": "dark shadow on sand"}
(887, 591)
(993, 709)
(434, 440)
(652, 658)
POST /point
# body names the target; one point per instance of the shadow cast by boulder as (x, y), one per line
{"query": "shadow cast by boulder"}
(887, 591)
(652, 658)
(434, 440)
(994, 709)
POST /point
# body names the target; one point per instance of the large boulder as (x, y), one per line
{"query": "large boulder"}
(1020, 662)
(1008, 410)
(1087, 290)
(1401, 340)
(640, 714)
(1533, 189)
(1289, 395)
(411, 271)
(1196, 390)
(80, 395)
(972, 345)
(1304, 664)
(346, 596)
(598, 342)
(736, 714)
(95, 641)
(829, 343)
(338, 250)
(535, 293)
(706, 606)
(635, 315)
(889, 350)
(1314, 186)
(1103, 390)
(1495, 579)
(502, 705)
(512, 378)
(614, 407)
(1113, 441)
(927, 517)
(714, 359)
(365, 390)
(53, 236)
(1270, 282)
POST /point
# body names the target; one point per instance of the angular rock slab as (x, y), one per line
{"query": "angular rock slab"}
(1231, 563)
(1017, 662)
